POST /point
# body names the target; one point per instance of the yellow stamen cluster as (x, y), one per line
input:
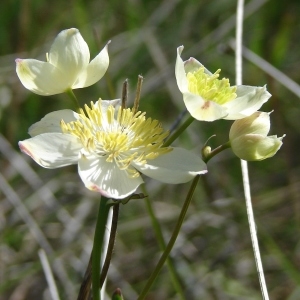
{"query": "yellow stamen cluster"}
(118, 134)
(209, 87)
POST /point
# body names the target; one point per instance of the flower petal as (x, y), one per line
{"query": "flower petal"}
(182, 68)
(180, 72)
(177, 166)
(254, 147)
(106, 177)
(69, 53)
(51, 122)
(203, 110)
(52, 150)
(257, 123)
(116, 103)
(94, 71)
(40, 77)
(249, 99)
(192, 65)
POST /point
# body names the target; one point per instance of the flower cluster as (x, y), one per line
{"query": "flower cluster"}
(208, 98)
(114, 145)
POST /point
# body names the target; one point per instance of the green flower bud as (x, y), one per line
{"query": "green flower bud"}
(249, 140)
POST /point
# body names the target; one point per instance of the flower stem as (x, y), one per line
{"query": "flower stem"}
(73, 98)
(162, 244)
(179, 131)
(206, 156)
(98, 245)
(172, 240)
(252, 228)
(111, 243)
(244, 164)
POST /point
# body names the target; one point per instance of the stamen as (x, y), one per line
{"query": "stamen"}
(209, 87)
(123, 137)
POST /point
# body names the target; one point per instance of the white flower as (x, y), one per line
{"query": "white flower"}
(68, 66)
(208, 99)
(111, 146)
(248, 137)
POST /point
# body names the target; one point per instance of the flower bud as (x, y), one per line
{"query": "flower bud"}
(249, 140)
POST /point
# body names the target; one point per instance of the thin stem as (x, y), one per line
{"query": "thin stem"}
(252, 228)
(206, 156)
(172, 240)
(87, 280)
(244, 165)
(98, 245)
(178, 132)
(162, 244)
(72, 96)
(111, 243)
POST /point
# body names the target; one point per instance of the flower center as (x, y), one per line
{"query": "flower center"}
(119, 135)
(209, 87)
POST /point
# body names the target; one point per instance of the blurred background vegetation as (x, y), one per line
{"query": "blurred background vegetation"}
(51, 209)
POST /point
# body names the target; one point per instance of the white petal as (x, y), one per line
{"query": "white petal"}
(257, 123)
(52, 150)
(116, 103)
(254, 147)
(40, 77)
(268, 147)
(180, 72)
(94, 71)
(177, 166)
(70, 53)
(192, 65)
(106, 178)
(203, 110)
(51, 122)
(249, 99)
(105, 104)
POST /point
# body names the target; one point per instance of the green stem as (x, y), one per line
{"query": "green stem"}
(172, 240)
(111, 243)
(179, 131)
(206, 156)
(72, 96)
(162, 244)
(87, 280)
(98, 246)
